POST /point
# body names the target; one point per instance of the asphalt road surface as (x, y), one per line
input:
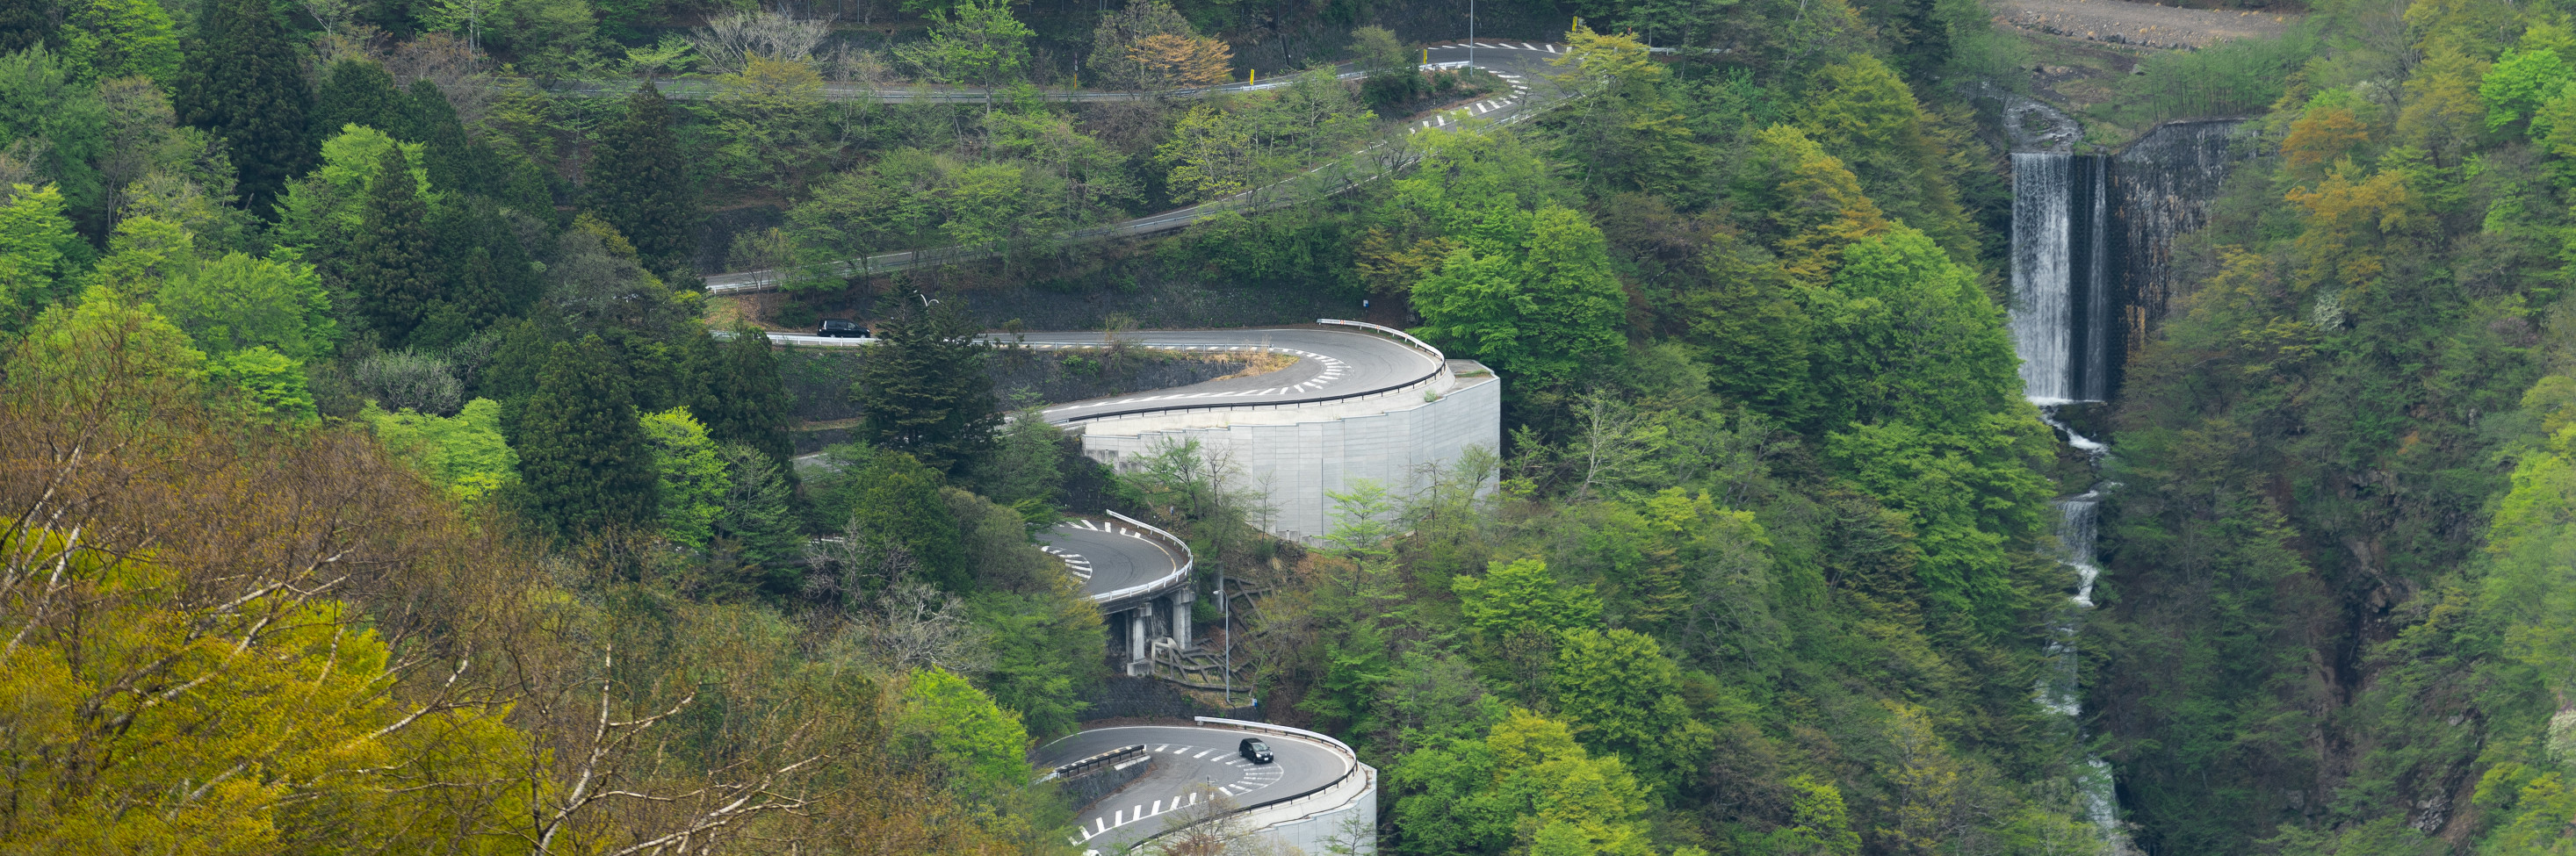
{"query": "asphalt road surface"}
(1330, 364)
(1191, 764)
(1109, 557)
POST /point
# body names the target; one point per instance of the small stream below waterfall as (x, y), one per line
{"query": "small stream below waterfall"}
(2060, 690)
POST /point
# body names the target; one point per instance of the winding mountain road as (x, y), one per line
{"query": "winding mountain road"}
(1192, 764)
(1109, 558)
(1331, 364)
(1116, 562)
(1524, 66)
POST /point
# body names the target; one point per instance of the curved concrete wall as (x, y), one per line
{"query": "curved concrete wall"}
(1350, 826)
(1298, 454)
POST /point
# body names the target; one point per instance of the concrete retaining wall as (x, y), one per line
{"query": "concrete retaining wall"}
(1348, 827)
(1296, 455)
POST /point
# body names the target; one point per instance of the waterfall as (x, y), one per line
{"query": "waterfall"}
(2092, 246)
(2062, 296)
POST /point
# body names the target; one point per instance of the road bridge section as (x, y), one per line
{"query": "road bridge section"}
(1138, 574)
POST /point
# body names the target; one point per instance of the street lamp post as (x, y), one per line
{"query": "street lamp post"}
(1471, 33)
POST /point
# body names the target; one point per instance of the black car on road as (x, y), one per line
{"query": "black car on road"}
(1254, 750)
(840, 329)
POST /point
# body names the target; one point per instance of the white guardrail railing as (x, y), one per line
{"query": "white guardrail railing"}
(1293, 807)
(1182, 572)
(1407, 338)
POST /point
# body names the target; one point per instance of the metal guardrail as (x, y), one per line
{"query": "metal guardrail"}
(1351, 768)
(1083, 766)
(1182, 572)
(1425, 347)
(1439, 364)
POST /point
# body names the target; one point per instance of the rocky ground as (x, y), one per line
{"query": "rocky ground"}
(2142, 24)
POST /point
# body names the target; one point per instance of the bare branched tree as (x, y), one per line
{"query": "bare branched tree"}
(729, 40)
(912, 626)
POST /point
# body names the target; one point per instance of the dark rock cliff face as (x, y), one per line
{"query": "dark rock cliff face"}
(2092, 260)
(2163, 185)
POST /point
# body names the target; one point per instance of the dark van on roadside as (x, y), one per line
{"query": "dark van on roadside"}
(839, 329)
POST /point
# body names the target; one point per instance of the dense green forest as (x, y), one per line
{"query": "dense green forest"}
(380, 478)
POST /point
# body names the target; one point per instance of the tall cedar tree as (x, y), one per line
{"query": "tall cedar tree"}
(639, 184)
(746, 400)
(359, 92)
(27, 23)
(392, 266)
(924, 389)
(583, 456)
(488, 275)
(242, 82)
(455, 163)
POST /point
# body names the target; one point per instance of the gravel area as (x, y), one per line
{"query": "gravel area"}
(2145, 24)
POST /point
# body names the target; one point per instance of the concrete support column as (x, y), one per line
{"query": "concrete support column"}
(1139, 641)
(1181, 617)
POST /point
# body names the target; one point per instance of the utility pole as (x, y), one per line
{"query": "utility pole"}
(1225, 607)
(1471, 33)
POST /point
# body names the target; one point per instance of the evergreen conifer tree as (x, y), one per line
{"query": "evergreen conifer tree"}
(242, 82)
(391, 264)
(639, 184)
(455, 162)
(759, 519)
(583, 454)
(487, 273)
(746, 400)
(924, 389)
(360, 92)
(27, 23)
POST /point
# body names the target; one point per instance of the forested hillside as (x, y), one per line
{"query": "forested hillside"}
(381, 478)
(2336, 604)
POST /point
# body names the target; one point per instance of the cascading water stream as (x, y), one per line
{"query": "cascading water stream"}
(2092, 250)
(2078, 520)
(2061, 317)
